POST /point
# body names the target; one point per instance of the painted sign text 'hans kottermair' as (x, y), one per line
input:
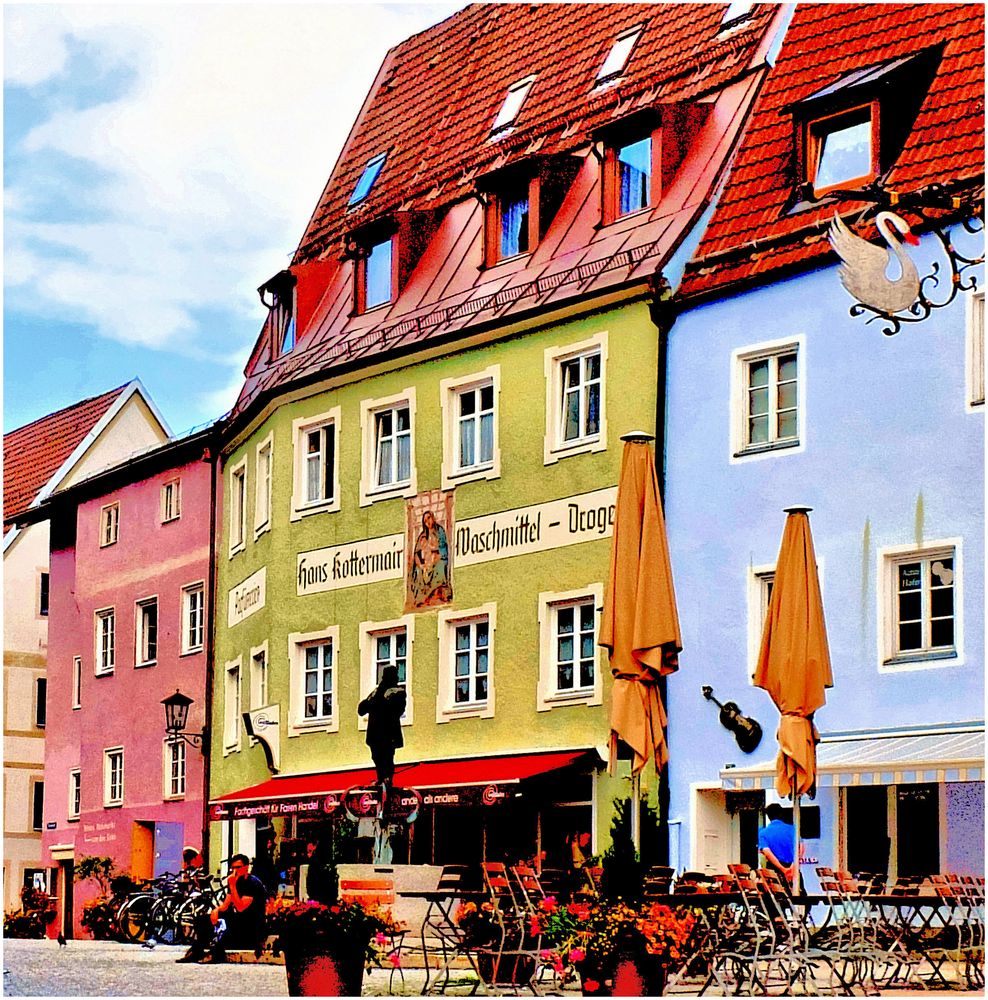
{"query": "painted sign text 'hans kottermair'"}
(521, 531)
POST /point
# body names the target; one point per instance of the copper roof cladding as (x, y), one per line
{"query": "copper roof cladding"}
(460, 70)
(32, 454)
(824, 44)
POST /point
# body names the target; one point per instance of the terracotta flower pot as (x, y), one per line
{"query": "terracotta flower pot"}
(630, 975)
(516, 970)
(326, 972)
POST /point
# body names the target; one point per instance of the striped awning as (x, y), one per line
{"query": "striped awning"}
(880, 758)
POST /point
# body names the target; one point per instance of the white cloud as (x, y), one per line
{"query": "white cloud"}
(183, 193)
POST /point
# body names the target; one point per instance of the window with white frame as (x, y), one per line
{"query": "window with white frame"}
(193, 617)
(389, 447)
(259, 676)
(174, 777)
(106, 630)
(392, 446)
(113, 776)
(768, 388)
(316, 482)
(575, 398)
(922, 604)
(470, 427)
(231, 707)
(146, 633)
(238, 507)
(466, 646)
(75, 794)
(77, 682)
(262, 485)
(109, 524)
(171, 500)
(976, 349)
(313, 658)
(569, 672)
(384, 644)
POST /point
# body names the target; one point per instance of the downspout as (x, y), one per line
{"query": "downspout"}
(662, 312)
(213, 458)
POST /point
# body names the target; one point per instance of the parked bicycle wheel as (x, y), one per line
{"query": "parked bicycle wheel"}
(162, 924)
(134, 917)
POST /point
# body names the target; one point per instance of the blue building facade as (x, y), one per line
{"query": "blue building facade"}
(884, 438)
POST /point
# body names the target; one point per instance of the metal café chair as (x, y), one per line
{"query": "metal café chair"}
(441, 938)
(512, 960)
(743, 958)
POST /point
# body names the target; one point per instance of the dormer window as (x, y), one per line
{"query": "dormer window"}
(375, 275)
(278, 296)
(842, 149)
(512, 219)
(371, 172)
(617, 58)
(631, 180)
(513, 101)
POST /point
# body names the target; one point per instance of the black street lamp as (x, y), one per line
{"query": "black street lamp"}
(176, 716)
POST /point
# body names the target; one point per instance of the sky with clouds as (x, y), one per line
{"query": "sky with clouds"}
(160, 162)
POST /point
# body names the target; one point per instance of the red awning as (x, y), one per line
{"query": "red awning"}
(429, 774)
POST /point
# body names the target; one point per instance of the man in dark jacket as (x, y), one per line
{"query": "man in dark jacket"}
(238, 922)
(384, 707)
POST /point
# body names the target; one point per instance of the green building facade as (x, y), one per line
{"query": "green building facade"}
(318, 592)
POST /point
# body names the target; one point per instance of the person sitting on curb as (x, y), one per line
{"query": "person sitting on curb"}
(238, 922)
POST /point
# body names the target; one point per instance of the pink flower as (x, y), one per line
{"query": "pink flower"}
(395, 959)
(577, 955)
(380, 938)
(591, 985)
(545, 954)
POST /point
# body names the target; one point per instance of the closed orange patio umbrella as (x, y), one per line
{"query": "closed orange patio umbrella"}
(794, 660)
(640, 627)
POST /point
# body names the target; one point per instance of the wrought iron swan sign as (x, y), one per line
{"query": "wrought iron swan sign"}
(908, 298)
(864, 272)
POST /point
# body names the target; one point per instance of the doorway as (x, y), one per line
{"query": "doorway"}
(66, 871)
(917, 828)
(868, 844)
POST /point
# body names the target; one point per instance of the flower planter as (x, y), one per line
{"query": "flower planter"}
(630, 976)
(329, 972)
(513, 970)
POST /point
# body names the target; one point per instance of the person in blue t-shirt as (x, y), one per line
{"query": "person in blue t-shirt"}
(777, 842)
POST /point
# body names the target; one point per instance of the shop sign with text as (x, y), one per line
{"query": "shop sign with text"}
(524, 530)
(247, 597)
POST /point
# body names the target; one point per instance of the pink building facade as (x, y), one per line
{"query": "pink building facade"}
(130, 584)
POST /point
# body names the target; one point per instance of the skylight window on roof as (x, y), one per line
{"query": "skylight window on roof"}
(617, 58)
(513, 101)
(736, 12)
(371, 172)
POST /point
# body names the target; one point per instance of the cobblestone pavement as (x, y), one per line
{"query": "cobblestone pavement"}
(105, 969)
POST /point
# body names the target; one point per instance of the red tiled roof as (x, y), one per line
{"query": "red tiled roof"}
(460, 70)
(824, 43)
(437, 94)
(32, 454)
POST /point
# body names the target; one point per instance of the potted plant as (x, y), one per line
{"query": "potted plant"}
(327, 946)
(618, 949)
